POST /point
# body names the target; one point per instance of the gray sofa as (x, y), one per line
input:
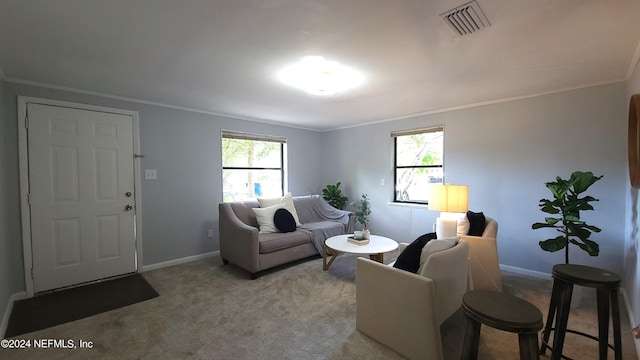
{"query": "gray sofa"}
(242, 244)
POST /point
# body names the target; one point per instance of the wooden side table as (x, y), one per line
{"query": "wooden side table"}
(607, 285)
(503, 312)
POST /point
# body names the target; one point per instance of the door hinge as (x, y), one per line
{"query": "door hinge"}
(32, 273)
(26, 122)
(29, 198)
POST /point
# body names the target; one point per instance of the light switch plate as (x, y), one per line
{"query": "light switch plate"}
(150, 174)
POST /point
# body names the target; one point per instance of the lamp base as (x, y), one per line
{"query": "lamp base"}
(446, 228)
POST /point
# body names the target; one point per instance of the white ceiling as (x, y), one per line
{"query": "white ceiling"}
(222, 56)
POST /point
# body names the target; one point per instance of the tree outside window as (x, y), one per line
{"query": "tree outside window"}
(418, 163)
(252, 166)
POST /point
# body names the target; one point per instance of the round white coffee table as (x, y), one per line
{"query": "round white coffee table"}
(377, 246)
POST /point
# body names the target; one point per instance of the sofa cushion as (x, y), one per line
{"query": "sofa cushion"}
(265, 218)
(321, 231)
(433, 247)
(331, 227)
(409, 258)
(269, 242)
(477, 222)
(284, 221)
(287, 200)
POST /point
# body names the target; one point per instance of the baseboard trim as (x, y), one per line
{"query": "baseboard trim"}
(7, 312)
(526, 272)
(631, 317)
(183, 260)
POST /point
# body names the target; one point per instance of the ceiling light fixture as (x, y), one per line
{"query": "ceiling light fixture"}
(318, 76)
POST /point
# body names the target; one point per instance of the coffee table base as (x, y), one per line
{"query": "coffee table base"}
(334, 254)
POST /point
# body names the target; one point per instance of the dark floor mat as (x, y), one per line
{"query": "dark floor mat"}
(43, 311)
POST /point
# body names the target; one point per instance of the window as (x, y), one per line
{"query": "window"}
(252, 166)
(418, 163)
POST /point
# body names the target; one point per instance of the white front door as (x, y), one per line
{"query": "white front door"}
(81, 183)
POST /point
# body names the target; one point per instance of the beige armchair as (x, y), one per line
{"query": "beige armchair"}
(484, 267)
(403, 310)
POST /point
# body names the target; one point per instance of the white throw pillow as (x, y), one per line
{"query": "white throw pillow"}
(463, 225)
(435, 246)
(264, 216)
(287, 200)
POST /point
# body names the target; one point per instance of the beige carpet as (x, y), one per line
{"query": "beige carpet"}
(209, 311)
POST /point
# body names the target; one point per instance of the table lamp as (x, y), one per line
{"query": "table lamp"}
(448, 199)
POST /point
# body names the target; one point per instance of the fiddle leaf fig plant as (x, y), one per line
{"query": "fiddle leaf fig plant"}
(334, 197)
(565, 208)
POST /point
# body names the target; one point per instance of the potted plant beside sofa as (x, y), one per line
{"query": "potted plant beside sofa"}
(334, 197)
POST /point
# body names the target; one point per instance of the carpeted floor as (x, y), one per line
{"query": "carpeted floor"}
(209, 311)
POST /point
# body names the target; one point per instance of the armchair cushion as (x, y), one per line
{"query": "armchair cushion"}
(477, 222)
(433, 247)
(409, 258)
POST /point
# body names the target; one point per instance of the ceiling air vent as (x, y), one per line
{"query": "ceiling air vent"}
(466, 19)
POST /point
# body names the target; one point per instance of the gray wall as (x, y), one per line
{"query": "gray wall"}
(184, 147)
(632, 246)
(5, 260)
(505, 152)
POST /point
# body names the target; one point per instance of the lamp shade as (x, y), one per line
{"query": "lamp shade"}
(449, 198)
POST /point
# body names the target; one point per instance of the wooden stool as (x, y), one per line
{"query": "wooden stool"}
(504, 312)
(607, 285)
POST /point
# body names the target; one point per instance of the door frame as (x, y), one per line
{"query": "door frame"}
(24, 178)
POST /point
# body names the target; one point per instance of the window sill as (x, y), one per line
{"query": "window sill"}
(410, 205)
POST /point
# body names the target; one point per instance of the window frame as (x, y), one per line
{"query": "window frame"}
(227, 134)
(395, 135)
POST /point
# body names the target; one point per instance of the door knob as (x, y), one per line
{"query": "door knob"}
(128, 194)
(128, 207)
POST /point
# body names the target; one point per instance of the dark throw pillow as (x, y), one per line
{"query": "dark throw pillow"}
(284, 221)
(477, 223)
(409, 258)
